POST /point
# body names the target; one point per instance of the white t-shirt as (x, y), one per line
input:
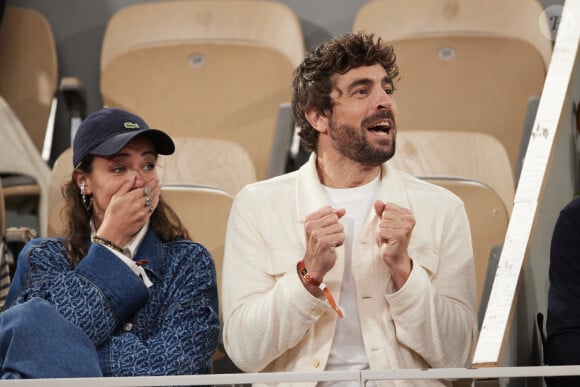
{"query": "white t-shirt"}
(348, 351)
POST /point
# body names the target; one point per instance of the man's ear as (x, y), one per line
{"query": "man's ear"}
(317, 120)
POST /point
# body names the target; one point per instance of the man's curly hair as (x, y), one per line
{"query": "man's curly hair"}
(311, 82)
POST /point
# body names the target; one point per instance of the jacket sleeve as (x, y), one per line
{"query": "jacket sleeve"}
(101, 296)
(563, 322)
(434, 312)
(266, 312)
(97, 296)
(187, 332)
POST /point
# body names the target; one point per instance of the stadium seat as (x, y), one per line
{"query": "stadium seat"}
(488, 220)
(471, 155)
(29, 76)
(12, 239)
(24, 175)
(466, 65)
(37, 110)
(47, 106)
(204, 211)
(207, 161)
(204, 68)
(60, 173)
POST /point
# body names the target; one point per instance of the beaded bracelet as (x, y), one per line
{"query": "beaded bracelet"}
(108, 243)
(321, 285)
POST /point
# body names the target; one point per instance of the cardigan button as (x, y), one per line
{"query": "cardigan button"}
(317, 312)
(315, 363)
(127, 327)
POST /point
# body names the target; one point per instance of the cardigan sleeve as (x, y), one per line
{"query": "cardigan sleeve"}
(266, 312)
(434, 313)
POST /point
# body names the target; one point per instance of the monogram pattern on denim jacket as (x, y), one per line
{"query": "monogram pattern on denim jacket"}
(169, 329)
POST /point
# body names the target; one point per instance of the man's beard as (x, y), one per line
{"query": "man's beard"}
(350, 142)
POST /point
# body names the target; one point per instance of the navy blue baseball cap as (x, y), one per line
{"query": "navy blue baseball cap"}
(107, 131)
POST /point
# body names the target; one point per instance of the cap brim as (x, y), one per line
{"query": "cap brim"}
(164, 145)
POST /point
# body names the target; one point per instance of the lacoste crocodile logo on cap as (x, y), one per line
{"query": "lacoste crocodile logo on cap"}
(130, 125)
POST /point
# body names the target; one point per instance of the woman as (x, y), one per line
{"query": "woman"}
(125, 293)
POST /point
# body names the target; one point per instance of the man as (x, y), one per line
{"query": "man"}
(392, 254)
(563, 323)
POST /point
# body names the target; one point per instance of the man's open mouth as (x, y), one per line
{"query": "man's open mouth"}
(381, 126)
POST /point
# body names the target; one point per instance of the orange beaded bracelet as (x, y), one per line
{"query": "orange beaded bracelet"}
(321, 285)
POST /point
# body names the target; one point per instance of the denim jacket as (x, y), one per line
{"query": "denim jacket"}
(169, 329)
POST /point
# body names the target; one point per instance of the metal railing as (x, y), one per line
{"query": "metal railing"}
(294, 377)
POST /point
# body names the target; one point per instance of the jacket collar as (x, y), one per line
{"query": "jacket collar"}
(151, 251)
(311, 197)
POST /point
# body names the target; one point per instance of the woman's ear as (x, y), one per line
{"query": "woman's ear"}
(317, 120)
(81, 180)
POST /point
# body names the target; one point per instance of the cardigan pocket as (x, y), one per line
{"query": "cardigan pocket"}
(284, 260)
(427, 257)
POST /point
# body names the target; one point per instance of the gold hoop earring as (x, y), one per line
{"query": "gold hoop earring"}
(87, 202)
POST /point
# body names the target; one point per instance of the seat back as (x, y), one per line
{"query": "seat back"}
(29, 75)
(207, 161)
(471, 155)
(19, 156)
(216, 69)
(488, 219)
(466, 65)
(204, 211)
(61, 173)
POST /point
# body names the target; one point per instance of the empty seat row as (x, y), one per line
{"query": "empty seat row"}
(221, 69)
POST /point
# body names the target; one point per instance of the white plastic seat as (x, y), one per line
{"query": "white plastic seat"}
(488, 220)
(465, 65)
(19, 157)
(458, 154)
(207, 161)
(216, 69)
